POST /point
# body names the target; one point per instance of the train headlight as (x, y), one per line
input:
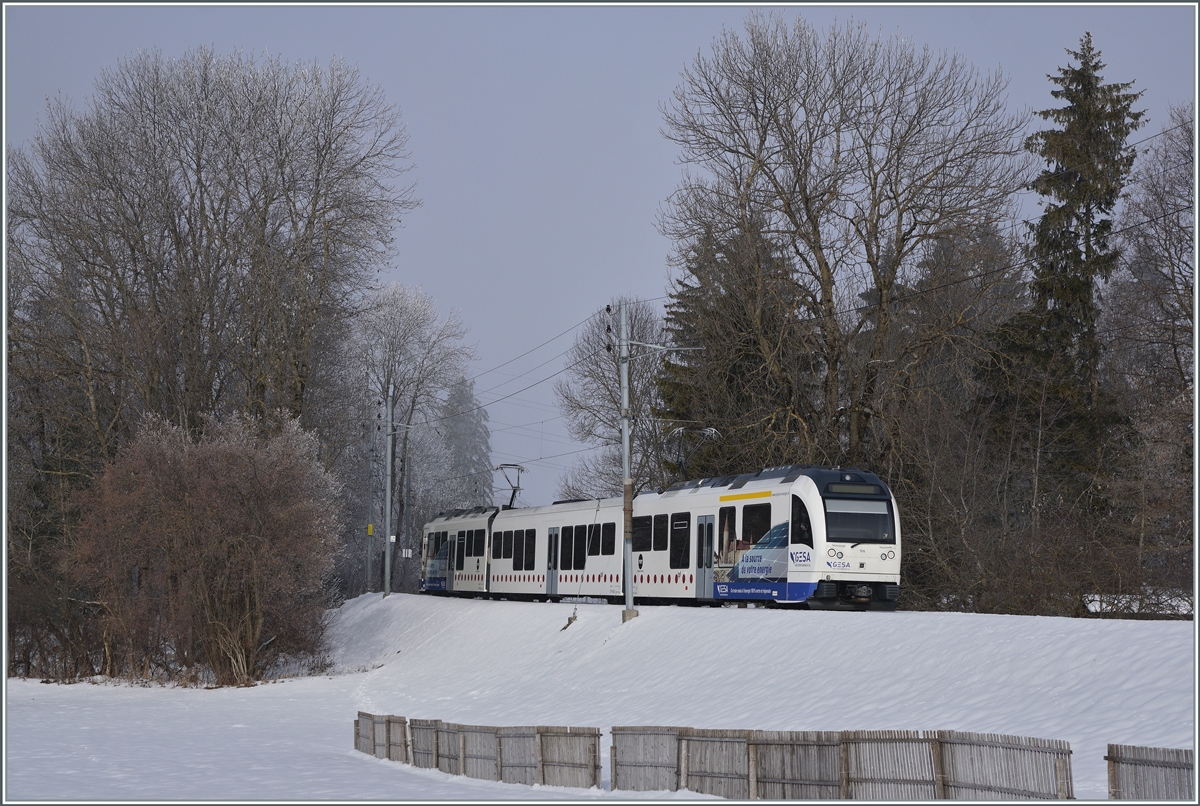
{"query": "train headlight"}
(883, 556)
(832, 552)
(839, 555)
(891, 555)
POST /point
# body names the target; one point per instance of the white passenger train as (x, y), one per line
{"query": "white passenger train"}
(821, 537)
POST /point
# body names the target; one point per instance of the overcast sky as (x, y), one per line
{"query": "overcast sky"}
(535, 137)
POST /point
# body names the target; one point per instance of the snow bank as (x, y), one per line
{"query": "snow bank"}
(1090, 682)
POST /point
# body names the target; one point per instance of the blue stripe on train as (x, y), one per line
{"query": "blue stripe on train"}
(777, 591)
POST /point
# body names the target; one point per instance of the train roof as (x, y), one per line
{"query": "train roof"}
(822, 476)
(471, 512)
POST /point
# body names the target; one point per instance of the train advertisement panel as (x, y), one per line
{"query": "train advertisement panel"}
(755, 565)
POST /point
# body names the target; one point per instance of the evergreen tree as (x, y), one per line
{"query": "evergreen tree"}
(757, 380)
(1087, 163)
(1049, 353)
(468, 442)
(1057, 432)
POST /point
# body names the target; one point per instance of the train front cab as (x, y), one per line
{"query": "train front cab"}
(825, 538)
(454, 552)
(844, 543)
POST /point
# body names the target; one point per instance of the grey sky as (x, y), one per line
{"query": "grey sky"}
(535, 136)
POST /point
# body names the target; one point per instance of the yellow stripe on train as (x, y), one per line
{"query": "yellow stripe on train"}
(740, 496)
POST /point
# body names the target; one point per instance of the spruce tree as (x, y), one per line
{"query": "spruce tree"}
(1087, 163)
(468, 442)
(1055, 428)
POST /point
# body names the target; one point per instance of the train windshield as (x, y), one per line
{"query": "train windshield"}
(848, 521)
(436, 565)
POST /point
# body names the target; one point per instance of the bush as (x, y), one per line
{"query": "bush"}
(213, 551)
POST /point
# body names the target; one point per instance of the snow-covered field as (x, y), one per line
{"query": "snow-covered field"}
(1090, 682)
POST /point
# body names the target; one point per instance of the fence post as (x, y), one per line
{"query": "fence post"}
(499, 762)
(844, 777)
(681, 769)
(612, 765)
(939, 767)
(1063, 779)
(1114, 786)
(462, 752)
(752, 768)
(597, 776)
(537, 750)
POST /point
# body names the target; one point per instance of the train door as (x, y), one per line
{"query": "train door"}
(552, 562)
(704, 557)
(453, 555)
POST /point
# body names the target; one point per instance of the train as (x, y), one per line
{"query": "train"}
(823, 538)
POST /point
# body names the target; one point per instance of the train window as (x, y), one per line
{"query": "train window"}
(681, 539)
(594, 539)
(608, 539)
(530, 549)
(497, 544)
(580, 547)
(552, 550)
(801, 528)
(507, 538)
(641, 533)
(518, 554)
(727, 536)
(756, 522)
(480, 542)
(467, 542)
(459, 555)
(565, 557)
(660, 533)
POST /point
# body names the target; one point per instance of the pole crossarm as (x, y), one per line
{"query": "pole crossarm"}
(655, 349)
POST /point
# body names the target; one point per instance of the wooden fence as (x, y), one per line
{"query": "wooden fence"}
(542, 754)
(774, 765)
(1149, 773)
(860, 765)
(381, 736)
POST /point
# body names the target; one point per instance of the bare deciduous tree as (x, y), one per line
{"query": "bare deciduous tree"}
(1155, 289)
(1148, 332)
(589, 397)
(851, 154)
(193, 241)
(195, 230)
(406, 347)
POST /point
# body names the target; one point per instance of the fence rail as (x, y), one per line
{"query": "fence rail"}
(1149, 773)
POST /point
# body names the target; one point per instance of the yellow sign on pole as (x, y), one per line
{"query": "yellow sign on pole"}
(370, 530)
